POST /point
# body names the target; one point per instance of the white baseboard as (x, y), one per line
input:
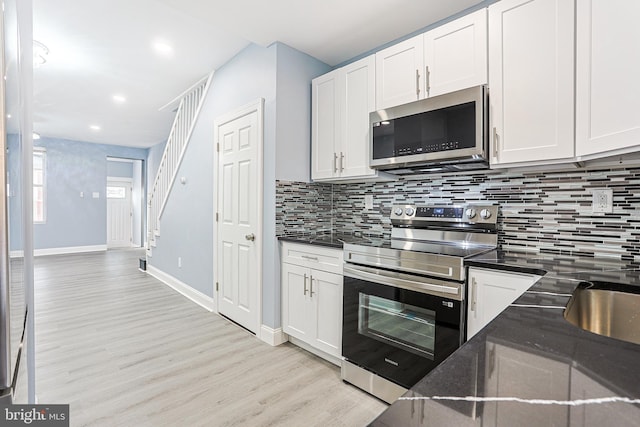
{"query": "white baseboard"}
(61, 251)
(198, 297)
(272, 336)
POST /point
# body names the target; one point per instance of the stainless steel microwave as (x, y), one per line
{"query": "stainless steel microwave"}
(446, 132)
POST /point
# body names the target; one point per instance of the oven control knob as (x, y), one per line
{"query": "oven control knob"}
(409, 211)
(471, 213)
(398, 211)
(485, 214)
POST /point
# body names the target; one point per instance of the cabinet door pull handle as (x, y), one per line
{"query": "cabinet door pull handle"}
(427, 84)
(417, 84)
(335, 162)
(311, 287)
(305, 284)
(495, 143)
(474, 296)
(341, 161)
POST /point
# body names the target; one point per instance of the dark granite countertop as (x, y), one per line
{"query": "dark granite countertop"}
(332, 240)
(529, 366)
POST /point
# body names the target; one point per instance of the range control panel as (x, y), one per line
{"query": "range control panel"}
(470, 214)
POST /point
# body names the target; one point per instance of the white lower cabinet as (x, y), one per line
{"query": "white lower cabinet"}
(490, 292)
(312, 298)
(585, 387)
(514, 373)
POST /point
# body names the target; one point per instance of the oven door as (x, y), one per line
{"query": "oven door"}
(397, 325)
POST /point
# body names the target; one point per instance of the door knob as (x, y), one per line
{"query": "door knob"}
(251, 237)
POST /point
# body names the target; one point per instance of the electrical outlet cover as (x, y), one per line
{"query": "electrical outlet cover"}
(368, 201)
(602, 201)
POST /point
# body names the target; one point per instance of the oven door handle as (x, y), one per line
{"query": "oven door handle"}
(405, 281)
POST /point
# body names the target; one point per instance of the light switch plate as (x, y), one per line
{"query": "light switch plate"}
(602, 201)
(96, 195)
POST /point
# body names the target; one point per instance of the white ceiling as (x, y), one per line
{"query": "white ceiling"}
(99, 49)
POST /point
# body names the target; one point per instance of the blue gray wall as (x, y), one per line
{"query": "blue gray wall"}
(72, 167)
(119, 169)
(154, 156)
(282, 76)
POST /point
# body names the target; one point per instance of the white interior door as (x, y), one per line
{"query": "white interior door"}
(119, 213)
(239, 236)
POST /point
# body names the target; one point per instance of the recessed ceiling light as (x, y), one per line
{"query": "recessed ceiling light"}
(162, 48)
(36, 135)
(119, 99)
(95, 127)
(8, 116)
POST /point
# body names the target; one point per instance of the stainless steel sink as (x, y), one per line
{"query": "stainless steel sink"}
(608, 309)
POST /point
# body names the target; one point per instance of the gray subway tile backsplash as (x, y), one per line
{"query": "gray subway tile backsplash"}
(539, 211)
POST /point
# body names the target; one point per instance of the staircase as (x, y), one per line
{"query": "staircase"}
(183, 124)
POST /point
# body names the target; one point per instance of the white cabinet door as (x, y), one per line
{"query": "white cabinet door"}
(399, 73)
(584, 387)
(312, 297)
(531, 63)
(325, 125)
(490, 292)
(358, 99)
(342, 101)
(455, 54)
(607, 76)
(326, 293)
(297, 306)
(515, 373)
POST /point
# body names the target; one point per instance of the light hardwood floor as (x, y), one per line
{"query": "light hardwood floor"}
(124, 349)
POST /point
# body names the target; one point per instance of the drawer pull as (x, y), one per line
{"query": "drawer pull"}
(311, 258)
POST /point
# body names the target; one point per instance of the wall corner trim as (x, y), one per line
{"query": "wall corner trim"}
(272, 336)
(198, 297)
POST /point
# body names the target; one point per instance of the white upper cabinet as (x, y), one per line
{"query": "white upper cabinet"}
(450, 57)
(531, 64)
(359, 98)
(325, 125)
(399, 73)
(342, 100)
(455, 54)
(607, 76)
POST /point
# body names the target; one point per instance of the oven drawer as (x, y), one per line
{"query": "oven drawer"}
(313, 256)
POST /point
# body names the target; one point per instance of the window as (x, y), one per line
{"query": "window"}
(39, 192)
(116, 192)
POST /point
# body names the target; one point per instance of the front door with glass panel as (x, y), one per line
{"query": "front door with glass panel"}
(119, 214)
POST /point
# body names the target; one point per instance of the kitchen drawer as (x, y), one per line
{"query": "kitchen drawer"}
(313, 256)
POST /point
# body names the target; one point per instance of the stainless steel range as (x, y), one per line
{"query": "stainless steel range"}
(403, 307)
